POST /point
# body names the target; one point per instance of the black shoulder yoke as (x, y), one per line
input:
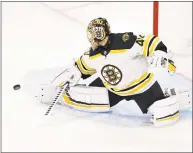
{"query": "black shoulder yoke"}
(116, 41)
(122, 40)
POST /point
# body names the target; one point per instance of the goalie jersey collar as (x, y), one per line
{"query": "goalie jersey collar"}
(115, 42)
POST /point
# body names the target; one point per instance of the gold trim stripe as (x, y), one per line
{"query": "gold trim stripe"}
(171, 67)
(154, 44)
(95, 56)
(118, 51)
(146, 44)
(169, 118)
(133, 82)
(73, 103)
(83, 70)
(87, 67)
(131, 91)
(149, 48)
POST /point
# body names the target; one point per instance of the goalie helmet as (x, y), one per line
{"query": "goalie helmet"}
(97, 30)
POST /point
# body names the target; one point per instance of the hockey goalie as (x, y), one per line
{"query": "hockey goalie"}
(125, 66)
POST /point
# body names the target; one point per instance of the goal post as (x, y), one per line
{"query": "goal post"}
(155, 17)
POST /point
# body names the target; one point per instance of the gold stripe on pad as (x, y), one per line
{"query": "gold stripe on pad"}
(169, 118)
(73, 103)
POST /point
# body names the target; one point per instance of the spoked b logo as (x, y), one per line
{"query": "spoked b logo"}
(111, 74)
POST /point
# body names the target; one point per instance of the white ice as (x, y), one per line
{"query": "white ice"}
(45, 35)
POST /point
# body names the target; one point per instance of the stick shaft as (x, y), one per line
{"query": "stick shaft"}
(55, 100)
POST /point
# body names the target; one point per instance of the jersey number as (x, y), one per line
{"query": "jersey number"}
(140, 40)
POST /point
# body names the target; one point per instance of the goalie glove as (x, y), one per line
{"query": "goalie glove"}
(159, 61)
(72, 76)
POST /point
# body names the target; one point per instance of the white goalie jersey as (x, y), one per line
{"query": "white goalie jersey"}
(123, 65)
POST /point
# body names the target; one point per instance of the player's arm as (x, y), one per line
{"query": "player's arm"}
(78, 69)
(153, 47)
(84, 65)
(150, 44)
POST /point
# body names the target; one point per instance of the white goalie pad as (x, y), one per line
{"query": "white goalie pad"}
(46, 93)
(183, 96)
(165, 111)
(91, 99)
(89, 95)
(185, 99)
(34, 80)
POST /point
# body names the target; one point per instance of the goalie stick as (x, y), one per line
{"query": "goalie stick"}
(62, 89)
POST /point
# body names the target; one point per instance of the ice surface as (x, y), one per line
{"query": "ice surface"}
(36, 37)
(25, 128)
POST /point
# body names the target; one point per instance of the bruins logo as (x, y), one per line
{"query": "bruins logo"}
(111, 74)
(125, 37)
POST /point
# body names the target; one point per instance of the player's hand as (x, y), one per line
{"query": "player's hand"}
(72, 75)
(158, 60)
